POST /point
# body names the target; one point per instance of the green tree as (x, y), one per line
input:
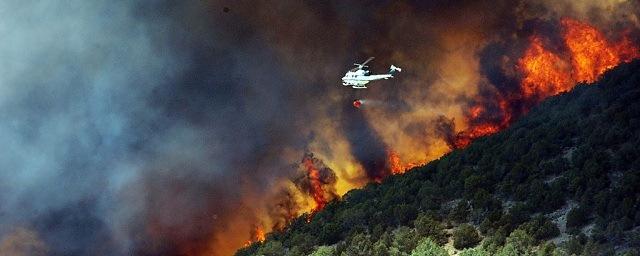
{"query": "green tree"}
(380, 248)
(426, 226)
(493, 243)
(548, 249)
(540, 228)
(576, 218)
(296, 251)
(474, 252)
(508, 250)
(574, 245)
(330, 233)
(465, 236)
(428, 248)
(518, 243)
(324, 251)
(359, 245)
(461, 212)
(271, 248)
(404, 239)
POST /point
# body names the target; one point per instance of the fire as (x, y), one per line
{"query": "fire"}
(543, 70)
(257, 236)
(589, 53)
(463, 139)
(260, 236)
(317, 191)
(545, 73)
(395, 164)
(480, 128)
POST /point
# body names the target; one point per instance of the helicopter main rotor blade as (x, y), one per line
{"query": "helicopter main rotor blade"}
(367, 61)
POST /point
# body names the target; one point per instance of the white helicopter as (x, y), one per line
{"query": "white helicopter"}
(358, 77)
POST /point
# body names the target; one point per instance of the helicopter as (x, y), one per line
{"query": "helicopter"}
(358, 77)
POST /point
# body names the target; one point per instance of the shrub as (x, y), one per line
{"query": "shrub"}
(324, 251)
(465, 236)
(404, 239)
(474, 252)
(428, 248)
(426, 226)
(271, 248)
(576, 217)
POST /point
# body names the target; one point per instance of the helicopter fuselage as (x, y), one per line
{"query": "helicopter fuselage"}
(359, 78)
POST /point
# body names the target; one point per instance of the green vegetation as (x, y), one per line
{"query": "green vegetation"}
(465, 236)
(427, 226)
(574, 156)
(428, 248)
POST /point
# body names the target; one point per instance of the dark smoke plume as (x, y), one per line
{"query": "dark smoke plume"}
(326, 176)
(168, 127)
(367, 146)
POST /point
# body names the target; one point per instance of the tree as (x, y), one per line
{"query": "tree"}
(330, 233)
(428, 248)
(324, 251)
(426, 226)
(465, 236)
(547, 249)
(461, 212)
(404, 239)
(540, 228)
(574, 245)
(495, 242)
(380, 248)
(359, 245)
(248, 250)
(271, 248)
(296, 251)
(508, 250)
(474, 252)
(518, 243)
(576, 218)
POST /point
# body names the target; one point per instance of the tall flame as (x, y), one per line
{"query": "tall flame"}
(257, 236)
(546, 73)
(591, 53)
(396, 166)
(317, 191)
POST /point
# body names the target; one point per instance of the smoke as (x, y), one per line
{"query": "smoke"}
(284, 207)
(366, 145)
(171, 128)
(22, 242)
(316, 180)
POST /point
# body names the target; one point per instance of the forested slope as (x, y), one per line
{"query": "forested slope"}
(564, 179)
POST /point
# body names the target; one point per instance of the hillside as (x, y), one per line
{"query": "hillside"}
(564, 179)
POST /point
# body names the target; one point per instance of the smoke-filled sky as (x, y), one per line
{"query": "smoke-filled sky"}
(178, 127)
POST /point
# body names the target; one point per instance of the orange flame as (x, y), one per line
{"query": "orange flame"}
(481, 129)
(317, 191)
(260, 236)
(591, 53)
(395, 164)
(257, 236)
(546, 73)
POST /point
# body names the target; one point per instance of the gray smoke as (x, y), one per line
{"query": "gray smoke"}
(142, 127)
(113, 117)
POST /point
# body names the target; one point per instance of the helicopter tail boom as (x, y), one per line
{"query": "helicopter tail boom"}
(393, 69)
